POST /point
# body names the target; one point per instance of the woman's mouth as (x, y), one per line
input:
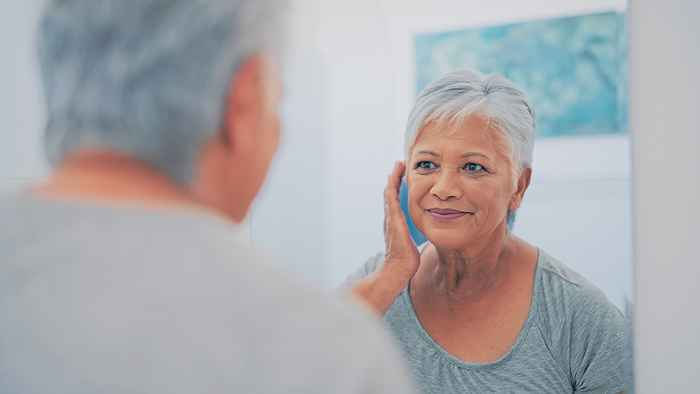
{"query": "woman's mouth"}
(446, 213)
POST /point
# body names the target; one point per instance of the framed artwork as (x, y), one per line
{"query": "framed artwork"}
(574, 69)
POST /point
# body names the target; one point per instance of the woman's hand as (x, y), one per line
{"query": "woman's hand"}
(401, 255)
(402, 259)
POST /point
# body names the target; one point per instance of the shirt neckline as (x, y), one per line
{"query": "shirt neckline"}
(534, 301)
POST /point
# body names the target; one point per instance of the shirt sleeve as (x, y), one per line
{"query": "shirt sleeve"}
(370, 265)
(599, 354)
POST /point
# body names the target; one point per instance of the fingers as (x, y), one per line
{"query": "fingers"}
(394, 220)
(393, 215)
(391, 192)
(400, 249)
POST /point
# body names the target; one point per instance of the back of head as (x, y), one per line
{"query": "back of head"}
(147, 78)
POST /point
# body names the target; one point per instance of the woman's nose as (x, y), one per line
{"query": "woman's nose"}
(446, 185)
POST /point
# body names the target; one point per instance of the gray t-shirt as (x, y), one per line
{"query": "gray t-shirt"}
(572, 341)
(101, 299)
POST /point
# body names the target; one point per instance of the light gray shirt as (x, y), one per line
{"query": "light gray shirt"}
(98, 299)
(572, 341)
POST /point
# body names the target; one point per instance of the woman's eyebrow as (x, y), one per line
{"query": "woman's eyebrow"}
(427, 152)
(465, 155)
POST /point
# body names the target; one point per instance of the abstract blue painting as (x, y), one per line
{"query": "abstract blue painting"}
(574, 69)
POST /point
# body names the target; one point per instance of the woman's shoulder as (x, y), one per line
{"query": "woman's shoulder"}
(369, 266)
(573, 310)
(581, 326)
(560, 284)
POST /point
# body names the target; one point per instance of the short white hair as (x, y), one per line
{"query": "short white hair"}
(148, 78)
(460, 94)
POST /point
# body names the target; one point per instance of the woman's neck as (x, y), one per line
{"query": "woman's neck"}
(469, 274)
(112, 177)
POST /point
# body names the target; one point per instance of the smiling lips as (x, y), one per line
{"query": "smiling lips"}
(446, 213)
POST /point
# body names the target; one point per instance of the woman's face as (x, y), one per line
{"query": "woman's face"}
(461, 183)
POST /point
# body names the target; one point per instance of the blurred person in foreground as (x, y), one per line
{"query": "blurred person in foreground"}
(475, 308)
(125, 271)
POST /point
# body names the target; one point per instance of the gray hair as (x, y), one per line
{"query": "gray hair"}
(148, 78)
(460, 94)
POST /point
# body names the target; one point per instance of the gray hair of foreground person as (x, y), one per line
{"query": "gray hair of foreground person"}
(147, 78)
(460, 94)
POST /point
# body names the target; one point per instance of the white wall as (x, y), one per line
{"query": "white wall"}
(289, 217)
(21, 112)
(665, 117)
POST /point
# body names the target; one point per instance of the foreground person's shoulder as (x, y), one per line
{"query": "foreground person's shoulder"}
(325, 334)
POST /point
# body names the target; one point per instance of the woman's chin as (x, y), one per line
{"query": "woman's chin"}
(447, 239)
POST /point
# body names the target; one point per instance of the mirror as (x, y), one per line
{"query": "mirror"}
(358, 68)
(355, 70)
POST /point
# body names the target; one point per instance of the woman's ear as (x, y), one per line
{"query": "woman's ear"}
(245, 104)
(522, 185)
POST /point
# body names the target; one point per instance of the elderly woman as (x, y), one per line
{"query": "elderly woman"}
(477, 309)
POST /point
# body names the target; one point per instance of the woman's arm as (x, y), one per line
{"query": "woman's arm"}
(380, 289)
(402, 259)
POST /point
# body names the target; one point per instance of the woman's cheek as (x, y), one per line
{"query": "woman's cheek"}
(415, 198)
(414, 208)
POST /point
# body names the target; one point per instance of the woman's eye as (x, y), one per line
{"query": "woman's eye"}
(474, 168)
(426, 165)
